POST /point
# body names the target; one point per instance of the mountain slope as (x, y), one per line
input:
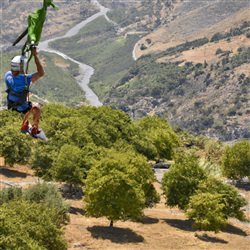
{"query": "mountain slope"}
(196, 19)
(209, 98)
(193, 83)
(192, 66)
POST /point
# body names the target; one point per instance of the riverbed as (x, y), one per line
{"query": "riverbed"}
(85, 71)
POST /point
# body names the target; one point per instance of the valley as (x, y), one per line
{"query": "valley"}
(210, 98)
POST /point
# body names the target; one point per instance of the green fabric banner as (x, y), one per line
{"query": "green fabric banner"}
(36, 21)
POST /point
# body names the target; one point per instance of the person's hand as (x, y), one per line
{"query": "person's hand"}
(34, 51)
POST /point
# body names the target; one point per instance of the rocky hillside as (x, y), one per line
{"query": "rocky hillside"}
(213, 96)
(192, 58)
(190, 20)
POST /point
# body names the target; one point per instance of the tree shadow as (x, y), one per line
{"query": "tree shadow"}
(234, 230)
(243, 186)
(71, 192)
(207, 238)
(148, 220)
(187, 226)
(181, 224)
(76, 210)
(115, 234)
(9, 173)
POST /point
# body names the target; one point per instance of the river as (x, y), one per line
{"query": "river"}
(85, 71)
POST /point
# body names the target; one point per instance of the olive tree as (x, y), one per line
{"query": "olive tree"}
(213, 203)
(155, 138)
(236, 160)
(119, 186)
(181, 181)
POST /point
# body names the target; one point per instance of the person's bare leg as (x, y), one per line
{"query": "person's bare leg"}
(25, 125)
(36, 113)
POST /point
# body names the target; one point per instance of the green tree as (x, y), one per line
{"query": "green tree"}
(26, 225)
(69, 165)
(213, 203)
(119, 186)
(75, 134)
(107, 126)
(182, 180)
(15, 147)
(236, 160)
(207, 212)
(154, 138)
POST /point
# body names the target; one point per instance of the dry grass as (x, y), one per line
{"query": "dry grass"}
(190, 26)
(208, 51)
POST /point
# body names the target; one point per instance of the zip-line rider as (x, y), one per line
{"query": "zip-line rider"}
(18, 80)
(17, 85)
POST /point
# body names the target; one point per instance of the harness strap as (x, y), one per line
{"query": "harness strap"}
(27, 89)
(23, 96)
(25, 50)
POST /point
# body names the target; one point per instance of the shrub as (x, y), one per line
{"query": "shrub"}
(143, 47)
(216, 37)
(10, 193)
(48, 195)
(26, 225)
(218, 51)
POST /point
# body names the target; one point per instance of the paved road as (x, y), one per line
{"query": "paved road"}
(159, 172)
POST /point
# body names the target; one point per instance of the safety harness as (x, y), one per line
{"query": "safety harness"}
(23, 96)
(34, 31)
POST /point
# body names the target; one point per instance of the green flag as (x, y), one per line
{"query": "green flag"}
(36, 21)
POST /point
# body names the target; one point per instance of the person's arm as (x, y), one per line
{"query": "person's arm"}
(39, 66)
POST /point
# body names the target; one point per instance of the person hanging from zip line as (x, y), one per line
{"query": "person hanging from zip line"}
(17, 87)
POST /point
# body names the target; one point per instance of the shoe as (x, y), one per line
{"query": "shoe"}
(35, 131)
(25, 127)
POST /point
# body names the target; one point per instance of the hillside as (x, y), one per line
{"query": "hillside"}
(205, 46)
(145, 87)
(192, 19)
(187, 22)
(196, 90)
